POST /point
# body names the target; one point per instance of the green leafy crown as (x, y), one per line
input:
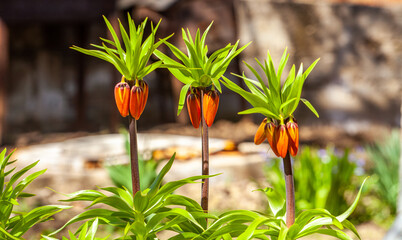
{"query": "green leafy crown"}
(273, 101)
(131, 61)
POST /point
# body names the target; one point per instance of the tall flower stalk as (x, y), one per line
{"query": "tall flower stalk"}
(277, 103)
(131, 59)
(200, 75)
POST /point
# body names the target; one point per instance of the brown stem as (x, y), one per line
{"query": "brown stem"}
(205, 158)
(290, 191)
(135, 175)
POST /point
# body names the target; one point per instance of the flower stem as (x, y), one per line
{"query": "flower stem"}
(290, 191)
(205, 158)
(135, 176)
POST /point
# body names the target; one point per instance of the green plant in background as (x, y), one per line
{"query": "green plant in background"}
(200, 72)
(121, 174)
(321, 178)
(14, 224)
(385, 155)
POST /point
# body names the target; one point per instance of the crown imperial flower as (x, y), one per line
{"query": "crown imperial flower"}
(261, 135)
(122, 97)
(293, 133)
(138, 99)
(194, 108)
(281, 140)
(210, 106)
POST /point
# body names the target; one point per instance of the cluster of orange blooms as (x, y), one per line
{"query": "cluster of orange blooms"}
(210, 106)
(131, 100)
(282, 137)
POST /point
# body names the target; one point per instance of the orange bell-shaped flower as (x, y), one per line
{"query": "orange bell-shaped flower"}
(210, 106)
(194, 108)
(260, 135)
(293, 133)
(122, 97)
(145, 88)
(138, 99)
(270, 132)
(281, 140)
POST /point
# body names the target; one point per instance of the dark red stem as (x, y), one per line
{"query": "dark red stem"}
(135, 175)
(205, 158)
(290, 191)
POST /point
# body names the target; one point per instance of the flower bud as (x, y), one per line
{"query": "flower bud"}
(145, 88)
(194, 108)
(260, 135)
(293, 133)
(210, 106)
(138, 99)
(281, 140)
(122, 97)
(270, 132)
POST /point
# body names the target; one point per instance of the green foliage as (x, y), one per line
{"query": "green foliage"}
(385, 155)
(156, 209)
(196, 68)
(13, 224)
(147, 213)
(245, 225)
(273, 101)
(321, 179)
(306, 223)
(87, 232)
(121, 174)
(131, 61)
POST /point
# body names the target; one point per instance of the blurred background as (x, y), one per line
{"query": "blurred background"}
(49, 93)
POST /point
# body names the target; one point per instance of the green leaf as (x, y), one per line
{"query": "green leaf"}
(123, 193)
(261, 110)
(108, 216)
(351, 227)
(282, 63)
(115, 38)
(140, 201)
(275, 200)
(8, 234)
(253, 99)
(25, 182)
(179, 54)
(18, 174)
(308, 104)
(182, 98)
(36, 215)
(115, 202)
(83, 195)
(283, 105)
(158, 180)
(249, 233)
(350, 210)
(283, 232)
(334, 233)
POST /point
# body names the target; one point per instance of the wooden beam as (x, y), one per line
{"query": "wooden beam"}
(51, 10)
(4, 58)
(81, 103)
